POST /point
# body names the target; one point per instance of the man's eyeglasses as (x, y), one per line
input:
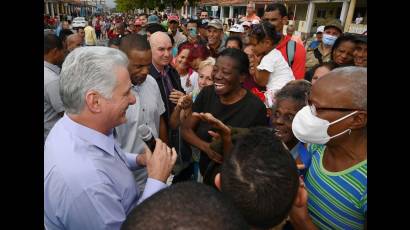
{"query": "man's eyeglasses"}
(314, 109)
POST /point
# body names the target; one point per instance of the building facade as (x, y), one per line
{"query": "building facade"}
(75, 8)
(306, 15)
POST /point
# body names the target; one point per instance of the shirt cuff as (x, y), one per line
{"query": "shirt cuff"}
(132, 161)
(152, 186)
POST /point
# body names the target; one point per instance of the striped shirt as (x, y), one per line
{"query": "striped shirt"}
(337, 200)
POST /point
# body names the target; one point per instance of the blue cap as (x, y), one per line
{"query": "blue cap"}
(153, 19)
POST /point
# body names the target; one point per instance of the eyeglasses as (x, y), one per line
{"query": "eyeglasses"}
(314, 109)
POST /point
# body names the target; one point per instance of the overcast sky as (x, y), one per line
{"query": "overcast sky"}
(110, 3)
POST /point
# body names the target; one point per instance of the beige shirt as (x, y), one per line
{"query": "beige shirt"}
(250, 18)
(90, 36)
(311, 60)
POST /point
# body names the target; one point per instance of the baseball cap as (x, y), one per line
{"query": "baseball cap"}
(238, 28)
(216, 23)
(153, 19)
(320, 29)
(173, 18)
(334, 24)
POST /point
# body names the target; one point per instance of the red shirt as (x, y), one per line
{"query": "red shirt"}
(299, 59)
(112, 35)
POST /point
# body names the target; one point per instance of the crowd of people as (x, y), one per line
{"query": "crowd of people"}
(254, 128)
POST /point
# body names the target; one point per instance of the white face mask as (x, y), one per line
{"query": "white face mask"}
(309, 128)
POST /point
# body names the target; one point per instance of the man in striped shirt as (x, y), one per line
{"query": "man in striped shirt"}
(335, 123)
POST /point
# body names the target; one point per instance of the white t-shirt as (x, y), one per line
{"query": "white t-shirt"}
(280, 72)
(193, 80)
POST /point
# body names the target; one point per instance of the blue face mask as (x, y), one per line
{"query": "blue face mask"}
(328, 39)
(192, 32)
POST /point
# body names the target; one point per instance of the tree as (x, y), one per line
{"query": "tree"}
(177, 4)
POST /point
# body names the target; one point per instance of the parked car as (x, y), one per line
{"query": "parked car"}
(79, 22)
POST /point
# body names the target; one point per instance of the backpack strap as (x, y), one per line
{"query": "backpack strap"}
(318, 55)
(290, 51)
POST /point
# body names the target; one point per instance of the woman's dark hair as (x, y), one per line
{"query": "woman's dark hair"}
(297, 90)
(343, 38)
(265, 30)
(240, 57)
(235, 38)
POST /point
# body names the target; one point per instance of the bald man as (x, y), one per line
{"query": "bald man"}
(335, 124)
(251, 13)
(73, 41)
(166, 76)
(169, 84)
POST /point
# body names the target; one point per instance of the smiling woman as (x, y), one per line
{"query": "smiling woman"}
(342, 50)
(290, 99)
(227, 101)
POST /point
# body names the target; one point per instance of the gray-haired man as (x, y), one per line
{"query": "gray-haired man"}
(87, 179)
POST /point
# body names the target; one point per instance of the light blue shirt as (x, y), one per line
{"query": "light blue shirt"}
(87, 179)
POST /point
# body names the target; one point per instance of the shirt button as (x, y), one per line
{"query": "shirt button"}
(143, 110)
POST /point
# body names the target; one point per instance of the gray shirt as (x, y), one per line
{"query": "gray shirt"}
(52, 101)
(147, 110)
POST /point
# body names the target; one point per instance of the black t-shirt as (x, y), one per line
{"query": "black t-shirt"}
(248, 112)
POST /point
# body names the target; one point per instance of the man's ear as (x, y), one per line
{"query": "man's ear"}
(218, 181)
(359, 120)
(93, 101)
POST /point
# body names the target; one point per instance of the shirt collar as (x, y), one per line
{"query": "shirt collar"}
(91, 136)
(52, 67)
(166, 69)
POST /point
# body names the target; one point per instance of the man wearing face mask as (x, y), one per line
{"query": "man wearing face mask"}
(193, 36)
(334, 123)
(323, 52)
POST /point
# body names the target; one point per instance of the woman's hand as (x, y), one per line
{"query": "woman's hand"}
(185, 102)
(212, 154)
(175, 95)
(222, 131)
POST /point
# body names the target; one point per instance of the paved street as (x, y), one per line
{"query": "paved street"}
(102, 42)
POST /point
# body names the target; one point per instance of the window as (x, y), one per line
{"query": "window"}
(339, 11)
(321, 13)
